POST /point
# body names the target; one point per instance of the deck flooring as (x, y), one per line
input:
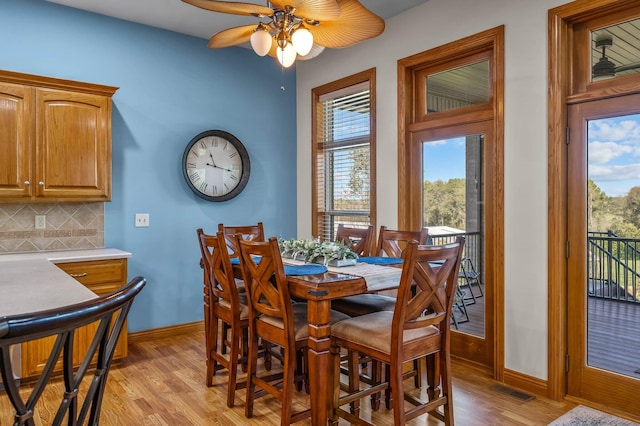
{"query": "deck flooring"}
(614, 336)
(614, 333)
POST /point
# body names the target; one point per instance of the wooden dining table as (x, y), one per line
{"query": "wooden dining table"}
(318, 290)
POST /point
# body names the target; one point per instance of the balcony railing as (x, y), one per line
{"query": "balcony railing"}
(613, 265)
(472, 247)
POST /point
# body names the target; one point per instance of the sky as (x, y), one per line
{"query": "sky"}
(614, 153)
(444, 159)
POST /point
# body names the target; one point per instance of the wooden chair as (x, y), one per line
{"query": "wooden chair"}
(359, 240)
(224, 304)
(273, 317)
(248, 232)
(390, 244)
(109, 312)
(419, 327)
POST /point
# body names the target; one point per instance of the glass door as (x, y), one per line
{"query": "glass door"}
(604, 252)
(453, 192)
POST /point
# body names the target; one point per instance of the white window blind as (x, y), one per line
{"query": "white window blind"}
(343, 160)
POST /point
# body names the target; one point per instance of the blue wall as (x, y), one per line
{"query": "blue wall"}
(172, 87)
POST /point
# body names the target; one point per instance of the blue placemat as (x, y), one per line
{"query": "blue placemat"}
(236, 261)
(308, 269)
(379, 260)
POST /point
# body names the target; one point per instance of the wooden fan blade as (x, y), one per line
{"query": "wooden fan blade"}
(235, 8)
(317, 10)
(231, 37)
(355, 24)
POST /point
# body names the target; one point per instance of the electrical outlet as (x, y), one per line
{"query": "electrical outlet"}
(41, 221)
(142, 220)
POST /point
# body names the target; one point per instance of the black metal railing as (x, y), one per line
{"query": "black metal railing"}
(473, 247)
(613, 265)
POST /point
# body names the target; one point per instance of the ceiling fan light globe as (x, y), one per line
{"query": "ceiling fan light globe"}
(261, 41)
(302, 41)
(286, 56)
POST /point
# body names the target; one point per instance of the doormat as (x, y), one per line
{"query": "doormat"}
(585, 416)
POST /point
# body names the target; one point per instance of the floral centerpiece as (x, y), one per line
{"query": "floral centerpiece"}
(316, 251)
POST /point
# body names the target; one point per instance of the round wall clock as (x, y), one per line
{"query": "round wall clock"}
(216, 165)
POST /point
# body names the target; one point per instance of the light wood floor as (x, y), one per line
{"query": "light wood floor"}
(162, 383)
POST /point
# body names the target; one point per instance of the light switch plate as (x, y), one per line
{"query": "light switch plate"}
(142, 220)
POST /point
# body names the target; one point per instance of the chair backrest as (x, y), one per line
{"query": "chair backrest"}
(218, 271)
(109, 311)
(392, 242)
(248, 232)
(266, 283)
(427, 287)
(359, 240)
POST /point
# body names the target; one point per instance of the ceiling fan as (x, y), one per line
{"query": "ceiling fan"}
(295, 29)
(605, 68)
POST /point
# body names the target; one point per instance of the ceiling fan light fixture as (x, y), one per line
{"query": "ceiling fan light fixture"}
(261, 40)
(302, 40)
(287, 55)
(604, 68)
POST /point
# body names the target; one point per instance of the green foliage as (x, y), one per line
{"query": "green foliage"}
(618, 214)
(632, 206)
(444, 203)
(315, 250)
(359, 173)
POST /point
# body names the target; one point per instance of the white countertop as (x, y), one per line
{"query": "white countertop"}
(31, 282)
(67, 255)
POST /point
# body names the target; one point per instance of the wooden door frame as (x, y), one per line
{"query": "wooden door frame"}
(561, 21)
(408, 123)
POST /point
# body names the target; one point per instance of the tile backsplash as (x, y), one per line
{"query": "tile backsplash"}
(68, 226)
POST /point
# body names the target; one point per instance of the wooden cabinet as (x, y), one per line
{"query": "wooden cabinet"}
(55, 136)
(101, 277)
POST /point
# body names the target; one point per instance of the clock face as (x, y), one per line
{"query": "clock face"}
(216, 165)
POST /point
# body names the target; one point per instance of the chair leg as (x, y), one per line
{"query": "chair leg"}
(433, 376)
(225, 337)
(353, 367)
(212, 346)
(267, 355)
(305, 371)
(445, 361)
(387, 392)
(335, 358)
(245, 348)
(376, 378)
(300, 369)
(397, 393)
(251, 373)
(287, 386)
(233, 365)
(417, 378)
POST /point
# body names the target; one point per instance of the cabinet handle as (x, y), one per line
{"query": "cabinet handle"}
(27, 183)
(84, 274)
(41, 183)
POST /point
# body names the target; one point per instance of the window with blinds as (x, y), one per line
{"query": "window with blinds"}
(343, 158)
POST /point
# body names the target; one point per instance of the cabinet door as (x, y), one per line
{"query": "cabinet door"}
(16, 140)
(101, 277)
(73, 149)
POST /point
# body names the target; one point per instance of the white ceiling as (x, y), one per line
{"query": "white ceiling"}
(174, 15)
